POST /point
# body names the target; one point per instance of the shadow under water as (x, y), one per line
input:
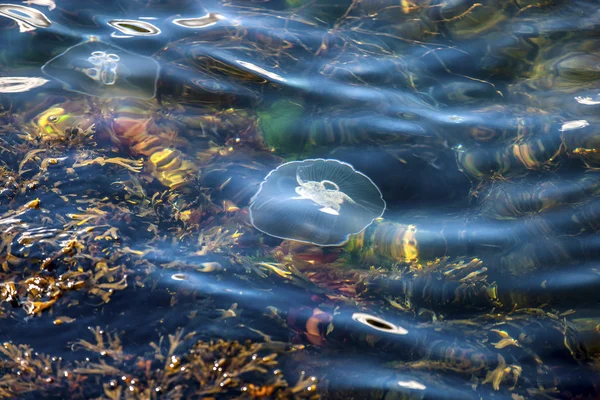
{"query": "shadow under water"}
(152, 247)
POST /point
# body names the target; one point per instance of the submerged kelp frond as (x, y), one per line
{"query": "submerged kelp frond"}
(109, 346)
(25, 371)
(442, 285)
(216, 240)
(41, 290)
(525, 351)
(75, 258)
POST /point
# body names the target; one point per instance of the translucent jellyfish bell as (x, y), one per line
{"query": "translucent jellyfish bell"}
(99, 69)
(316, 201)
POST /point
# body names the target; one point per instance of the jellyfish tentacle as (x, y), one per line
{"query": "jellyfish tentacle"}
(300, 191)
(347, 198)
(299, 180)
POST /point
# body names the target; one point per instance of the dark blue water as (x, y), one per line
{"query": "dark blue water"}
(142, 258)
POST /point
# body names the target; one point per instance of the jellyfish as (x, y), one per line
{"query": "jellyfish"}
(27, 18)
(102, 70)
(316, 201)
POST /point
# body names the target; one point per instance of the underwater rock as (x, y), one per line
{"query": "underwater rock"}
(316, 201)
(99, 69)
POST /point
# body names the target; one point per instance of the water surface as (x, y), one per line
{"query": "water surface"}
(134, 135)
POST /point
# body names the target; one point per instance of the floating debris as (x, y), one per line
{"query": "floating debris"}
(27, 18)
(316, 201)
(131, 27)
(102, 70)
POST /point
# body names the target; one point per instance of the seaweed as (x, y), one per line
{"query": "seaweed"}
(173, 369)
